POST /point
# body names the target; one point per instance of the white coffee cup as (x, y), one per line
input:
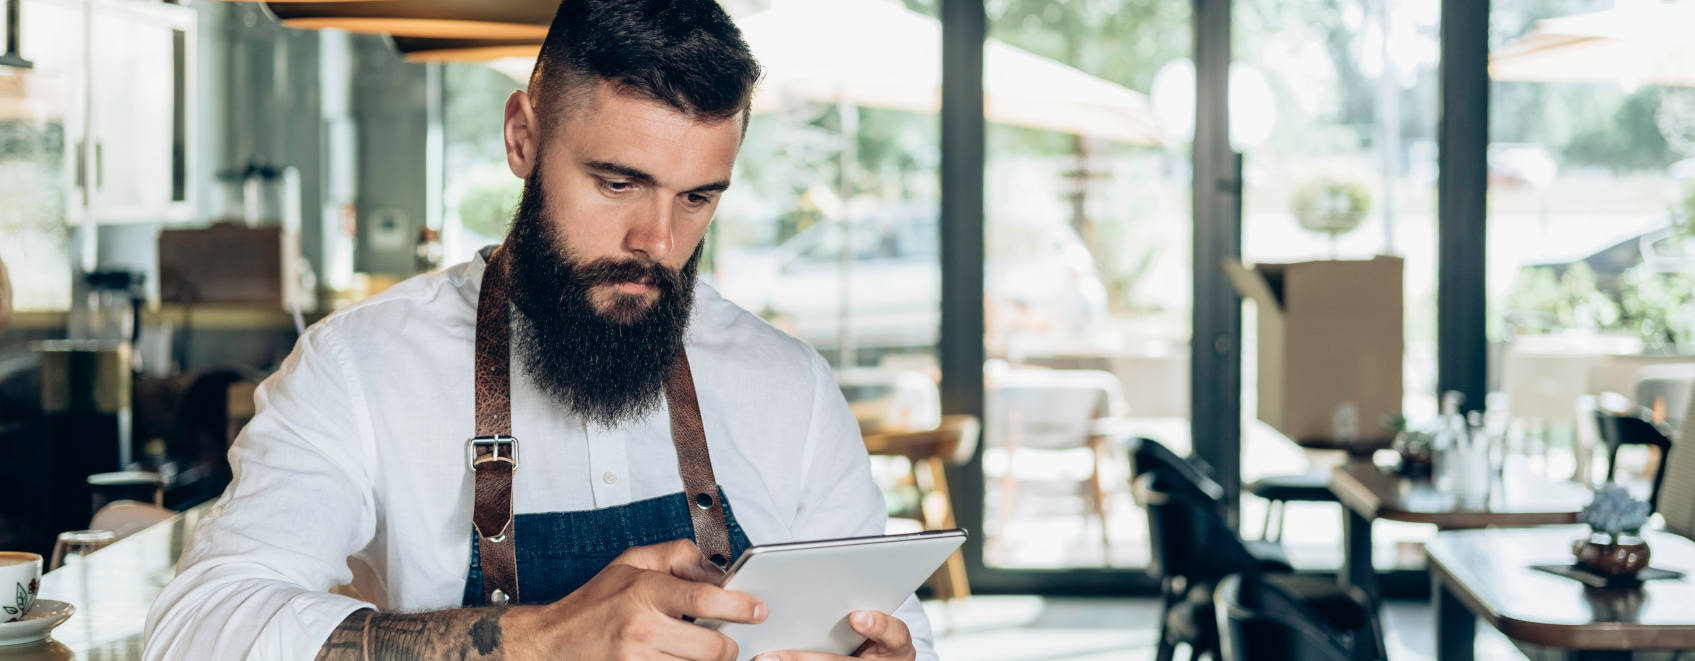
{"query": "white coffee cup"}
(20, 579)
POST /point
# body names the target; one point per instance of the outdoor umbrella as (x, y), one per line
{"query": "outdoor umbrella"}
(879, 54)
(1645, 44)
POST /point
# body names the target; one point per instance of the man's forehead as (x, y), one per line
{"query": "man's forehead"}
(629, 129)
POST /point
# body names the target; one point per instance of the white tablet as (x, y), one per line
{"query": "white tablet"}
(812, 587)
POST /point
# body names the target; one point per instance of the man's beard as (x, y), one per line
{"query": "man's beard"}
(609, 366)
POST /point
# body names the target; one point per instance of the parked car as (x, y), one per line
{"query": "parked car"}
(1043, 270)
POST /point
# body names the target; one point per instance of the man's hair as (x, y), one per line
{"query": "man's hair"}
(686, 54)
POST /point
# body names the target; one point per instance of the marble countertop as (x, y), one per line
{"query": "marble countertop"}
(112, 590)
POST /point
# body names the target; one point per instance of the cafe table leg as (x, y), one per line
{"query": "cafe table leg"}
(1456, 625)
(1357, 570)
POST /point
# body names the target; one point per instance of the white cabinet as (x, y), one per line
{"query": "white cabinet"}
(128, 73)
(139, 78)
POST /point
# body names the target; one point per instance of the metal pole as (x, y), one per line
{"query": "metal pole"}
(849, 158)
(1388, 127)
(1462, 344)
(960, 349)
(1215, 391)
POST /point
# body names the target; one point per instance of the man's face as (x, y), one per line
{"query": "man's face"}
(632, 180)
(602, 243)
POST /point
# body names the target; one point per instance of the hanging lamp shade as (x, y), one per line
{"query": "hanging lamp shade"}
(419, 49)
(481, 20)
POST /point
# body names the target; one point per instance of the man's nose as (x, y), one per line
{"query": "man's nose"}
(649, 236)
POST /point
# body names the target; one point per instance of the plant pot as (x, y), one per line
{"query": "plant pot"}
(1607, 557)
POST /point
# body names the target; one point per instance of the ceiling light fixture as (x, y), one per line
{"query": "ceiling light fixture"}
(521, 20)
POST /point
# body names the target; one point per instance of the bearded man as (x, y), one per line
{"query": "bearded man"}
(662, 429)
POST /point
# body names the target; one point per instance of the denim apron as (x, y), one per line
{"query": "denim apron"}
(542, 557)
(560, 551)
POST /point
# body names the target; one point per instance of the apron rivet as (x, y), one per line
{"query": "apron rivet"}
(704, 501)
(498, 598)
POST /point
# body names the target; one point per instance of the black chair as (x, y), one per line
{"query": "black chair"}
(1621, 430)
(1279, 490)
(1189, 477)
(1261, 619)
(1193, 548)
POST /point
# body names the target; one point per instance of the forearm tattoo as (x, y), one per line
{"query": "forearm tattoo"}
(472, 634)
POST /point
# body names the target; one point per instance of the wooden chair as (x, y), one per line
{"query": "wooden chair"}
(127, 517)
(951, 443)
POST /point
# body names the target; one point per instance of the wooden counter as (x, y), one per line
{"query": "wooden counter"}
(112, 590)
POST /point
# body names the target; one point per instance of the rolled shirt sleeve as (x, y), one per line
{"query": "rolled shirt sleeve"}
(253, 582)
(839, 498)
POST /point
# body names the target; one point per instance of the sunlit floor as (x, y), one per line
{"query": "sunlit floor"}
(1050, 525)
(1024, 628)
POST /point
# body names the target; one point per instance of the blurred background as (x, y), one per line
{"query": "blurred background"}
(184, 185)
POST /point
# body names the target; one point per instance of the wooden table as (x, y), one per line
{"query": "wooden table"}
(1487, 574)
(1367, 493)
(112, 590)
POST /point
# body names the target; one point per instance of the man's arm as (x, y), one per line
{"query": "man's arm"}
(473, 634)
(253, 584)
(632, 609)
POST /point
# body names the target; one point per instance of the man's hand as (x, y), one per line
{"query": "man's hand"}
(886, 639)
(632, 609)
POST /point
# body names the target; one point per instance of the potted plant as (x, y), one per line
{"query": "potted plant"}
(1615, 546)
(1332, 206)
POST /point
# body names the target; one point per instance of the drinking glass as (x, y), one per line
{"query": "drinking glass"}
(79, 543)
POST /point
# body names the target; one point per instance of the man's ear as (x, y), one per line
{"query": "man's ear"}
(522, 134)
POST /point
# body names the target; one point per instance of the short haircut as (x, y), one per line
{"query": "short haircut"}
(686, 54)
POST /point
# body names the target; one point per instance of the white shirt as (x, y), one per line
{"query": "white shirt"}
(353, 469)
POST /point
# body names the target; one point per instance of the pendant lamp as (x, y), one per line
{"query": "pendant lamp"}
(506, 20)
(420, 49)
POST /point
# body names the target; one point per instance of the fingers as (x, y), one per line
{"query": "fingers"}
(695, 643)
(886, 631)
(886, 638)
(678, 557)
(677, 597)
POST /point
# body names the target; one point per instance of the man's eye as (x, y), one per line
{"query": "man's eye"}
(618, 186)
(697, 199)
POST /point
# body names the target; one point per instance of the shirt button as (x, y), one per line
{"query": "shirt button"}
(609, 477)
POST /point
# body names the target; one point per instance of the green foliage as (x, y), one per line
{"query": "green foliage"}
(1660, 307)
(1124, 41)
(1544, 302)
(1656, 306)
(1330, 205)
(489, 201)
(1622, 135)
(475, 105)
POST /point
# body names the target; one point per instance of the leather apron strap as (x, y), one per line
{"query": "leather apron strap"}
(492, 512)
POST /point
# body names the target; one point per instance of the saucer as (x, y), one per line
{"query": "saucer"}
(35, 626)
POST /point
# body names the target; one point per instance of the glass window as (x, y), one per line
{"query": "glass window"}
(1591, 184)
(480, 192)
(33, 233)
(1087, 272)
(1334, 109)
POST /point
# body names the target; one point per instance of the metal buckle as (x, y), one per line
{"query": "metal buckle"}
(494, 443)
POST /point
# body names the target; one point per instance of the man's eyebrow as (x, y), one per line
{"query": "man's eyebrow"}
(714, 187)
(619, 169)
(633, 173)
